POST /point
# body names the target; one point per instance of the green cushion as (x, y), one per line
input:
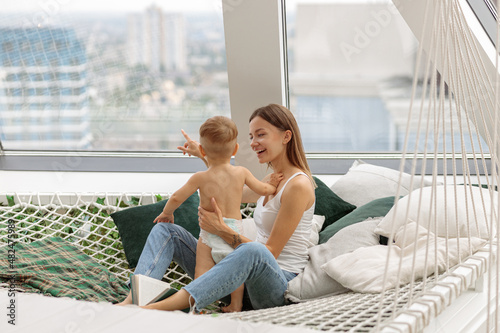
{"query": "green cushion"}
(134, 224)
(330, 205)
(376, 208)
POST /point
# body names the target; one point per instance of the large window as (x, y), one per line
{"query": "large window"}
(351, 70)
(107, 75)
(113, 82)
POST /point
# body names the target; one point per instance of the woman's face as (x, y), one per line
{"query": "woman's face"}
(266, 140)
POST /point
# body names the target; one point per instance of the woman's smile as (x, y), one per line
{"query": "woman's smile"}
(260, 152)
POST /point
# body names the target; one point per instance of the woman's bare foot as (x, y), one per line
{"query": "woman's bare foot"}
(126, 301)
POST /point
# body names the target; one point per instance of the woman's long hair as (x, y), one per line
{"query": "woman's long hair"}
(282, 118)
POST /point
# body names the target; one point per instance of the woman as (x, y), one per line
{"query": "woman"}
(283, 224)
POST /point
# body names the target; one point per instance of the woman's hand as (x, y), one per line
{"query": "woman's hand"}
(211, 222)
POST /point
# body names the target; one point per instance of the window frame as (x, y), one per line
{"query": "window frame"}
(486, 16)
(256, 28)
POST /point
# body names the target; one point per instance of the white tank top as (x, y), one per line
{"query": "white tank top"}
(293, 257)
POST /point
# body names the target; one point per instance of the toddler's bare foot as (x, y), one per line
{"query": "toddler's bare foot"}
(232, 308)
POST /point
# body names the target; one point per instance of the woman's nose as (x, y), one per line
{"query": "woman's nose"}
(253, 143)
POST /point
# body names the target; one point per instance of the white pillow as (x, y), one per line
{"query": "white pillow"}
(314, 282)
(414, 255)
(365, 182)
(468, 200)
(317, 224)
(250, 230)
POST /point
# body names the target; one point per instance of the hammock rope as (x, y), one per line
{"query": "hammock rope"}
(453, 54)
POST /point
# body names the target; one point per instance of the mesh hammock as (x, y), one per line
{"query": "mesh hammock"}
(84, 220)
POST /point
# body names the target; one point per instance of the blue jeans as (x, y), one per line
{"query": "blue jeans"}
(250, 263)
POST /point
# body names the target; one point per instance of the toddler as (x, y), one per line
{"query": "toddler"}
(221, 181)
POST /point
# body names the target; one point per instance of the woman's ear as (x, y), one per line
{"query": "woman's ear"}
(287, 137)
(202, 151)
(235, 149)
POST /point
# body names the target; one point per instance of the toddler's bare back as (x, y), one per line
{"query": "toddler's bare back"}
(225, 184)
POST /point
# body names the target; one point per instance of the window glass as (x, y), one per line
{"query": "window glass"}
(351, 69)
(130, 74)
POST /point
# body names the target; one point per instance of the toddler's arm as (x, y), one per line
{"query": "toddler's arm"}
(262, 188)
(191, 147)
(176, 199)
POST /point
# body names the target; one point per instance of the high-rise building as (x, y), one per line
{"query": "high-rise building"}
(157, 40)
(43, 89)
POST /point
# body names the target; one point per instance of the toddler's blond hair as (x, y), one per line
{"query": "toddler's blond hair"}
(218, 136)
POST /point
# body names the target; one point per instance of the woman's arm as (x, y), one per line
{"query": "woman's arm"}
(297, 197)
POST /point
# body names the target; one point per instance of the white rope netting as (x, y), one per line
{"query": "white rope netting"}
(82, 219)
(348, 312)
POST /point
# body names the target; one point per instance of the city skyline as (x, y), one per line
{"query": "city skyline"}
(157, 39)
(145, 98)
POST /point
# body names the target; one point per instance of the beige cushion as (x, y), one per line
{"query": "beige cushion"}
(365, 182)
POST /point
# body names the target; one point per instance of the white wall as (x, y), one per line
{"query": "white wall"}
(255, 78)
(90, 182)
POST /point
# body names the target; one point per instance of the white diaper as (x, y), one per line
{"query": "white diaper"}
(220, 249)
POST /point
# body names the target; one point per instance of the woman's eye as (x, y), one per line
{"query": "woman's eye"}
(257, 135)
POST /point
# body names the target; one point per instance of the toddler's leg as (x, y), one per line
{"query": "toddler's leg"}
(204, 259)
(236, 300)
